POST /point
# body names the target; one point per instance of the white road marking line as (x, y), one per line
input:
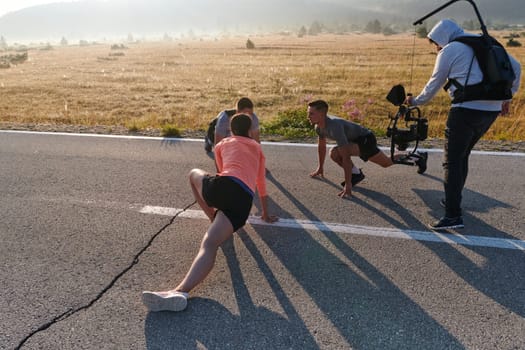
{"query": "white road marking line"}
(426, 236)
(266, 143)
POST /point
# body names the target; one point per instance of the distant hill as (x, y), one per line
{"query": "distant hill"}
(92, 18)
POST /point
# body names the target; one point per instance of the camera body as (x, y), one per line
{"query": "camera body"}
(416, 130)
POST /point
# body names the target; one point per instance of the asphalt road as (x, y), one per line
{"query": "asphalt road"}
(90, 222)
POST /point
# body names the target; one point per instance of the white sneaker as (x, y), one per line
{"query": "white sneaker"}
(165, 301)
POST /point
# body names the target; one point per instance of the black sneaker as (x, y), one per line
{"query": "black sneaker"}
(356, 178)
(422, 162)
(447, 223)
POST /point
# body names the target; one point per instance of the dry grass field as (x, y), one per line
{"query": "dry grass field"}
(186, 83)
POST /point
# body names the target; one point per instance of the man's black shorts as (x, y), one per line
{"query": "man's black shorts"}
(226, 195)
(367, 146)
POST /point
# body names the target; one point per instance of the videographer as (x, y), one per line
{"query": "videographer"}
(352, 140)
(467, 121)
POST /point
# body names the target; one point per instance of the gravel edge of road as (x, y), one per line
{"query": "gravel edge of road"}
(482, 145)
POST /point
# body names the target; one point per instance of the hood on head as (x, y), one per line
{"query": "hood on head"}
(445, 31)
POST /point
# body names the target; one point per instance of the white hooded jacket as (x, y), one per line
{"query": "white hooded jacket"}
(453, 61)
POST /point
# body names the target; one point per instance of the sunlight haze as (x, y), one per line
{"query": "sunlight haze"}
(7, 6)
(52, 20)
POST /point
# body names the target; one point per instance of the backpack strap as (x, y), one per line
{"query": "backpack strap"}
(230, 112)
(452, 81)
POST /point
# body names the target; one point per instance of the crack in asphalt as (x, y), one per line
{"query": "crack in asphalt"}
(71, 311)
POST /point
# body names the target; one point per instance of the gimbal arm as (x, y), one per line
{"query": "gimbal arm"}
(483, 27)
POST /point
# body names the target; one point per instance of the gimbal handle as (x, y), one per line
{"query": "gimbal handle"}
(404, 111)
(412, 119)
(483, 27)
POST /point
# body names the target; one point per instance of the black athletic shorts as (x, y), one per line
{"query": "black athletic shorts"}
(367, 146)
(226, 195)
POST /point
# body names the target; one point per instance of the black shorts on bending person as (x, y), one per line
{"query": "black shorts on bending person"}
(228, 196)
(367, 146)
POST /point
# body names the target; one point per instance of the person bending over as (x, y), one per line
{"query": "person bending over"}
(219, 127)
(226, 199)
(352, 140)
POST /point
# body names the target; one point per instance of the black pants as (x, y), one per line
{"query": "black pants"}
(464, 129)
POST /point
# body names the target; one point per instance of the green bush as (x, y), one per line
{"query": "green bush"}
(249, 44)
(388, 31)
(302, 32)
(290, 124)
(169, 130)
(373, 27)
(118, 47)
(421, 32)
(513, 43)
(132, 127)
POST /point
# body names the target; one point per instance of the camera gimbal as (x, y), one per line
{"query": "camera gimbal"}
(416, 127)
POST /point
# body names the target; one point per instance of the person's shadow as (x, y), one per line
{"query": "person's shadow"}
(207, 324)
(500, 276)
(367, 309)
(365, 306)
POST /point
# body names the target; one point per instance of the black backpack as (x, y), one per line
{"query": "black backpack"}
(495, 64)
(209, 139)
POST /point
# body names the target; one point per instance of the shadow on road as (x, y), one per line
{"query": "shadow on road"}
(208, 324)
(500, 277)
(367, 309)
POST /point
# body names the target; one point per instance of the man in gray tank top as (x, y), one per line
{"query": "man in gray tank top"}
(352, 140)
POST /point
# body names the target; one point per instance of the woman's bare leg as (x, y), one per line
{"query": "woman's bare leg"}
(219, 231)
(196, 177)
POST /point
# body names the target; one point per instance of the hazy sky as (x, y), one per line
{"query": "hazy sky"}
(14, 5)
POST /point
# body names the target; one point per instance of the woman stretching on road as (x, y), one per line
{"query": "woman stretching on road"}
(227, 200)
